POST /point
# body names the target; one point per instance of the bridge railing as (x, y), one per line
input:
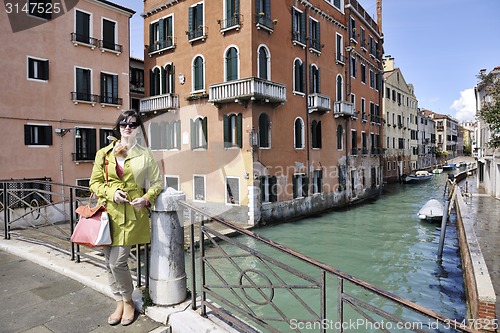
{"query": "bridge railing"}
(258, 285)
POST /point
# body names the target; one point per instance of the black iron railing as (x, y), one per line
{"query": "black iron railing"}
(256, 284)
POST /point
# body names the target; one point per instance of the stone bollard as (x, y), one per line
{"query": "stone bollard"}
(167, 276)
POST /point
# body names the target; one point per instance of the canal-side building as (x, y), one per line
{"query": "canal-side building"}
(470, 129)
(62, 85)
(399, 109)
(426, 135)
(446, 135)
(266, 110)
(488, 158)
(136, 75)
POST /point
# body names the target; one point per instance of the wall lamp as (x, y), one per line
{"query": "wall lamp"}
(62, 132)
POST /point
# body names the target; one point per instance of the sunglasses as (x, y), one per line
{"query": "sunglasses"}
(132, 125)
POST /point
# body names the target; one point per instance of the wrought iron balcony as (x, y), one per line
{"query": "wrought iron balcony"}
(112, 47)
(78, 97)
(159, 103)
(112, 100)
(247, 89)
(162, 45)
(233, 22)
(343, 109)
(265, 22)
(77, 39)
(317, 102)
(194, 34)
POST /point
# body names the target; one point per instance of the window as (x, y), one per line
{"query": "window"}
(298, 76)
(352, 30)
(372, 79)
(198, 74)
(232, 17)
(82, 32)
(363, 109)
(137, 79)
(165, 135)
(268, 189)
(195, 22)
(172, 181)
(264, 131)
(161, 35)
(354, 142)
(85, 145)
(109, 89)
(317, 184)
(316, 134)
(364, 143)
(353, 67)
(300, 185)
(199, 133)
(233, 130)
(168, 79)
(173, 135)
(298, 26)
(199, 188)
(299, 133)
(315, 80)
(362, 38)
(314, 30)
(340, 133)
(103, 137)
(38, 69)
(340, 88)
(232, 190)
(37, 135)
(41, 8)
(263, 12)
(109, 35)
(232, 64)
(340, 49)
(155, 82)
(264, 63)
(363, 73)
(336, 3)
(83, 84)
(342, 177)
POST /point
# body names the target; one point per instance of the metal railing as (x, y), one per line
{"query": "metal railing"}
(258, 285)
(43, 212)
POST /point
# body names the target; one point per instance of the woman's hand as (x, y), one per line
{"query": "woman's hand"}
(120, 197)
(139, 203)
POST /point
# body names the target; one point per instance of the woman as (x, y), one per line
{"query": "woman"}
(127, 180)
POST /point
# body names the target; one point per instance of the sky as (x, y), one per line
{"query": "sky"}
(439, 45)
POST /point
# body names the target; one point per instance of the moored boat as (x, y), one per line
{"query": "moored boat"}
(449, 166)
(418, 177)
(437, 171)
(432, 210)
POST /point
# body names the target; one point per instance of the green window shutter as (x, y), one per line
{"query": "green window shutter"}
(161, 31)
(151, 36)
(168, 130)
(267, 8)
(92, 143)
(205, 132)
(303, 28)
(319, 81)
(295, 186)
(27, 135)
(262, 186)
(229, 9)
(305, 185)
(227, 132)
(318, 134)
(178, 134)
(199, 15)
(193, 133)
(163, 81)
(115, 88)
(191, 22)
(47, 135)
(239, 130)
(294, 25)
(273, 194)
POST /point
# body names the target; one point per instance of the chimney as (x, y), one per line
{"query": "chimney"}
(379, 15)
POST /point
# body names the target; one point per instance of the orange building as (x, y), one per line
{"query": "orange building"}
(64, 80)
(265, 110)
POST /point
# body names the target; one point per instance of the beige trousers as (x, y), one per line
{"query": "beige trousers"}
(119, 276)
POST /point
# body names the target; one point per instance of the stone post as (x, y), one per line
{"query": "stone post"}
(167, 277)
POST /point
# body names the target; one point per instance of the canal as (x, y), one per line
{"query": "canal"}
(382, 242)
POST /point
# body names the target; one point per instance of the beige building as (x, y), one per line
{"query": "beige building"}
(63, 83)
(400, 109)
(264, 109)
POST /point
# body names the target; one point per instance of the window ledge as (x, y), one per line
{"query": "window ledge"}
(90, 46)
(103, 49)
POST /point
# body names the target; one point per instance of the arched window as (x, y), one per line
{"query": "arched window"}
(168, 79)
(316, 134)
(232, 64)
(299, 133)
(155, 79)
(298, 76)
(199, 133)
(340, 135)
(315, 80)
(233, 130)
(340, 84)
(264, 63)
(264, 131)
(198, 74)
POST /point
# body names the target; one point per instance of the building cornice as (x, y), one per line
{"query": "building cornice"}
(160, 8)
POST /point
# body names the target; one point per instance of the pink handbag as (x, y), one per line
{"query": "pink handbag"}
(93, 230)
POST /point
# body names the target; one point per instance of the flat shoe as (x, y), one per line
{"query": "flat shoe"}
(114, 321)
(127, 321)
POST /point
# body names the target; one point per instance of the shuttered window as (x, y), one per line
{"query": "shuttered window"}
(38, 69)
(35, 135)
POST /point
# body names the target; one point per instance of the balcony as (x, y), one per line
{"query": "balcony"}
(78, 39)
(343, 109)
(110, 100)
(159, 103)
(233, 22)
(162, 45)
(198, 33)
(319, 103)
(262, 21)
(81, 97)
(247, 89)
(110, 47)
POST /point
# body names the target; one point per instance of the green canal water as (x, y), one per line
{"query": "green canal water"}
(382, 242)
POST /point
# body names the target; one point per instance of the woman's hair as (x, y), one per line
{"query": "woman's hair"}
(130, 113)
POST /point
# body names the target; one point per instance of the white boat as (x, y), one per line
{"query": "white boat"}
(432, 210)
(437, 171)
(418, 177)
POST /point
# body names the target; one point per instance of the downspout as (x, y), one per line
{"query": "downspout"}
(307, 102)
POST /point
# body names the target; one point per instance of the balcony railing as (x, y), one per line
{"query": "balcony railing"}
(84, 39)
(159, 103)
(196, 33)
(77, 97)
(247, 89)
(161, 45)
(104, 45)
(264, 22)
(319, 103)
(233, 22)
(83, 156)
(343, 109)
(110, 100)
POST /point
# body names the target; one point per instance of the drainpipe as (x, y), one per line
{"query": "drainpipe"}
(306, 61)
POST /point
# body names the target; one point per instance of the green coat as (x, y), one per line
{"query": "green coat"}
(141, 178)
